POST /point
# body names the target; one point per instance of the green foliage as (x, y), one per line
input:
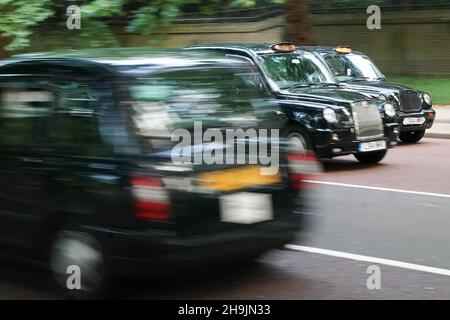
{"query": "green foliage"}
(103, 9)
(20, 18)
(437, 86)
(17, 17)
(158, 14)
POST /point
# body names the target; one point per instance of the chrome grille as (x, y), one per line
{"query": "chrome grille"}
(367, 119)
(410, 101)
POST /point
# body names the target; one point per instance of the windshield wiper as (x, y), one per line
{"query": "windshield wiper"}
(358, 79)
(311, 84)
(300, 85)
(327, 84)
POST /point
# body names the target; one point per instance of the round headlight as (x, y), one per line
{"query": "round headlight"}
(389, 110)
(427, 98)
(330, 115)
(382, 97)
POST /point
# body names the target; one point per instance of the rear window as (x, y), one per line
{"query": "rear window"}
(219, 97)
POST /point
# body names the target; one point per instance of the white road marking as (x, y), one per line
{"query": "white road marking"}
(441, 195)
(357, 257)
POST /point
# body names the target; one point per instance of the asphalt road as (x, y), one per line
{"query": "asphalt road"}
(404, 219)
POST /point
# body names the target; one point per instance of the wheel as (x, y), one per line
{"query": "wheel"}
(78, 265)
(371, 157)
(412, 136)
(299, 139)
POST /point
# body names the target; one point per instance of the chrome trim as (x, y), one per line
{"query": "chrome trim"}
(357, 116)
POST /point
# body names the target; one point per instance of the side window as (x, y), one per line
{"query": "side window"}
(24, 112)
(337, 65)
(75, 125)
(250, 74)
(342, 67)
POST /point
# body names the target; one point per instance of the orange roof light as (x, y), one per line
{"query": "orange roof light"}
(343, 49)
(283, 47)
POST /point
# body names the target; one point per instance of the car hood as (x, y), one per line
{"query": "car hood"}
(375, 88)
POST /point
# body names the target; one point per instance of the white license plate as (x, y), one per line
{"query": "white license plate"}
(413, 121)
(372, 146)
(246, 207)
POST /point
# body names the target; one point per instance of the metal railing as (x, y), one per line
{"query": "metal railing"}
(316, 6)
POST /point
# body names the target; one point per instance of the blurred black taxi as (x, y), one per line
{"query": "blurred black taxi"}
(357, 71)
(87, 177)
(321, 115)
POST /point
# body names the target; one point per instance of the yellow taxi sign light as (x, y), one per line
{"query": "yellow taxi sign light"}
(236, 179)
(283, 47)
(343, 49)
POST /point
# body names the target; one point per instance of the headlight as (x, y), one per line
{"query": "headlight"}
(389, 109)
(427, 98)
(382, 97)
(330, 115)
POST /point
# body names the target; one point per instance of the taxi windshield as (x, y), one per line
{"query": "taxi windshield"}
(353, 67)
(294, 69)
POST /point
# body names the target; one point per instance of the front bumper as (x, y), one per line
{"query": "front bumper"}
(333, 143)
(429, 116)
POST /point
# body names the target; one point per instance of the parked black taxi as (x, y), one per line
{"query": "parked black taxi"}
(87, 178)
(321, 115)
(357, 71)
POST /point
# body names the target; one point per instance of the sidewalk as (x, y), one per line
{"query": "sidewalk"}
(441, 126)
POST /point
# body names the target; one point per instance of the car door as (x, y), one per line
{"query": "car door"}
(25, 106)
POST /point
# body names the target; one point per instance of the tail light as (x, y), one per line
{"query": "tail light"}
(151, 200)
(302, 166)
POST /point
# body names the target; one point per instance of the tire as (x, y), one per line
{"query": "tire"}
(371, 157)
(299, 139)
(412, 136)
(74, 252)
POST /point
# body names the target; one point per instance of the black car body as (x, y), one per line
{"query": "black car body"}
(81, 183)
(356, 71)
(360, 119)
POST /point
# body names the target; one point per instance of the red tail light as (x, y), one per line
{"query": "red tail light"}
(302, 166)
(151, 200)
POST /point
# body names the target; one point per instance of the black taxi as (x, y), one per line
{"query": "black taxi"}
(357, 71)
(321, 114)
(88, 182)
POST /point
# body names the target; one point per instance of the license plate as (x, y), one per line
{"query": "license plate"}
(413, 121)
(246, 207)
(372, 146)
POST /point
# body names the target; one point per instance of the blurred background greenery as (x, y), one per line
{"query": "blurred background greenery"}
(437, 86)
(411, 48)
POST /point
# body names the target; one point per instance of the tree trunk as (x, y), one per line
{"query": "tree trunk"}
(299, 23)
(3, 44)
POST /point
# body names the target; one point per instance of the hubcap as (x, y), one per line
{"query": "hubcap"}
(80, 251)
(297, 142)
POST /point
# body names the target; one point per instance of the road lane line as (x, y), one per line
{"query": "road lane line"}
(357, 257)
(441, 195)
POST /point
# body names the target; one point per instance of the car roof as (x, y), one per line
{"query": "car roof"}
(324, 49)
(125, 60)
(252, 48)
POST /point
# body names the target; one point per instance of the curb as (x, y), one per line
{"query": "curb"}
(438, 135)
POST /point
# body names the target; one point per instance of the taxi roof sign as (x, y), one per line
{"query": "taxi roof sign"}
(343, 49)
(283, 47)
